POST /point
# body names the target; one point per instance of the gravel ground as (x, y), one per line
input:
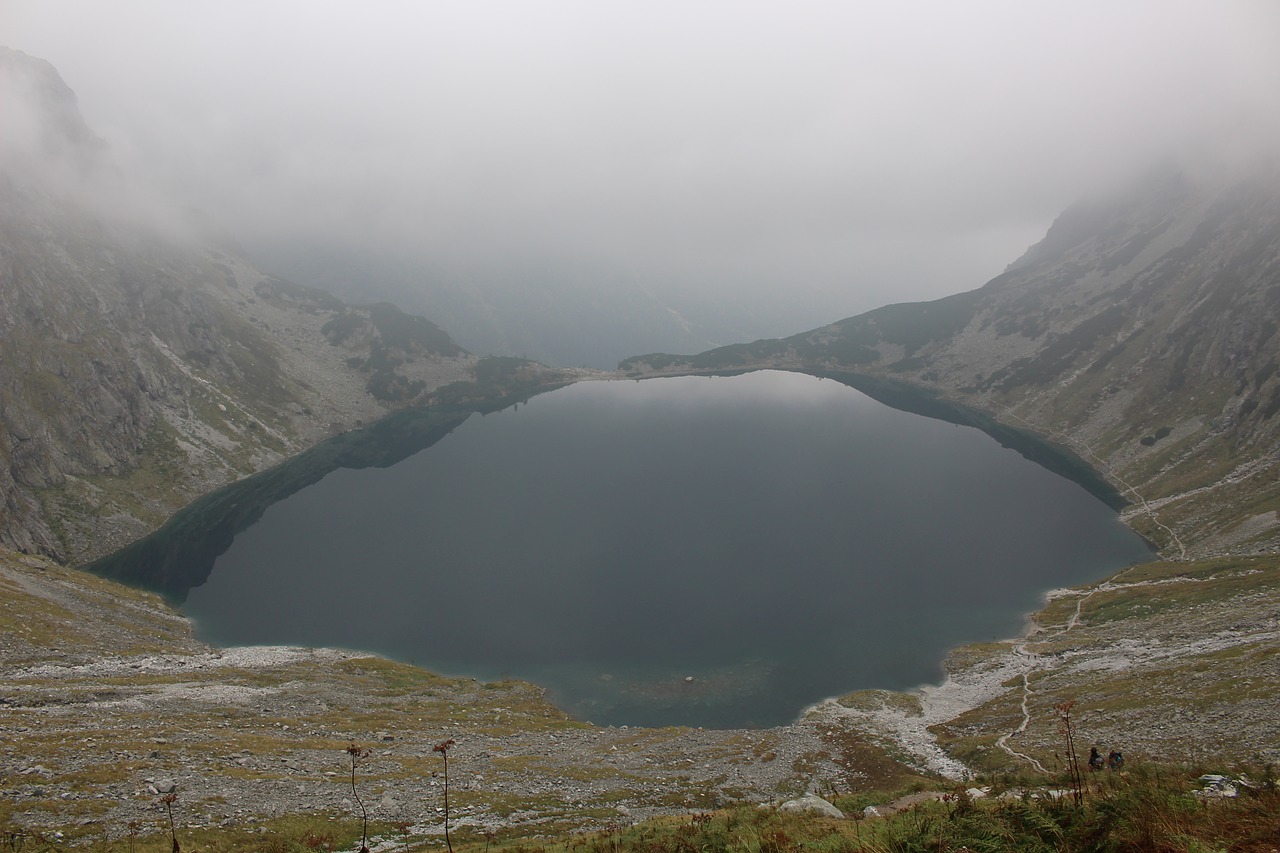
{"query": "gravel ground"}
(108, 701)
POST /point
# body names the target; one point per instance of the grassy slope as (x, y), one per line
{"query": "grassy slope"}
(1175, 661)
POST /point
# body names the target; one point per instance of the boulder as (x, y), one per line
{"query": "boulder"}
(811, 803)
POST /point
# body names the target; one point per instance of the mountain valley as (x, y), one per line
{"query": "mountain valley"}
(145, 362)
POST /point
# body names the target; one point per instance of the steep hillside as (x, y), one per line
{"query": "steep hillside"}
(143, 359)
(1141, 333)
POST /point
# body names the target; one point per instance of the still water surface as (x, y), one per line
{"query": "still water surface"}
(708, 551)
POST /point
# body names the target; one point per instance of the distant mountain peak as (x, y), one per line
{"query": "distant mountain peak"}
(43, 123)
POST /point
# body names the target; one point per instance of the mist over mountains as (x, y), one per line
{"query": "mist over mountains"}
(1141, 332)
(150, 355)
(122, 308)
(584, 316)
(143, 359)
(579, 183)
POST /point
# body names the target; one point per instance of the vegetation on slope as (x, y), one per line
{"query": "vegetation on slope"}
(1200, 635)
(1147, 809)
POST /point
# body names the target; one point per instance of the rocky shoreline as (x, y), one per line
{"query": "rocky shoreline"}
(109, 699)
(246, 735)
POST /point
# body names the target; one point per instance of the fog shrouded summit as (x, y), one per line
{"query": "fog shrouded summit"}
(577, 181)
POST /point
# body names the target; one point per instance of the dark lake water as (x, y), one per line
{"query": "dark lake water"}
(707, 551)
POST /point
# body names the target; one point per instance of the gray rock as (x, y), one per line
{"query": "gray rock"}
(811, 803)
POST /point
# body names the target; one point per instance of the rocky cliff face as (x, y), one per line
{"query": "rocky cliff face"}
(1141, 332)
(143, 360)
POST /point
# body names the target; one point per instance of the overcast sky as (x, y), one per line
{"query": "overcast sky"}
(871, 152)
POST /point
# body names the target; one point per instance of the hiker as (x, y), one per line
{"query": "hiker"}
(1095, 758)
(1115, 759)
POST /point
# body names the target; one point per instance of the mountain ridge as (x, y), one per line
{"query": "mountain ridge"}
(1139, 333)
(145, 361)
(143, 364)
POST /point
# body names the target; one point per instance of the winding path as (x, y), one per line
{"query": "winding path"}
(1003, 740)
(1033, 662)
(1148, 508)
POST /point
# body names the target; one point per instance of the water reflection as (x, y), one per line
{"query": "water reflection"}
(703, 551)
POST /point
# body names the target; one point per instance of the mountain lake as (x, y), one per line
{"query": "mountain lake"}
(701, 551)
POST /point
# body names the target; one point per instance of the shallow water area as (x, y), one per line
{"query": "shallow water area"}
(707, 551)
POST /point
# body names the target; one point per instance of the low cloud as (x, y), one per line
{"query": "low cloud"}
(859, 153)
